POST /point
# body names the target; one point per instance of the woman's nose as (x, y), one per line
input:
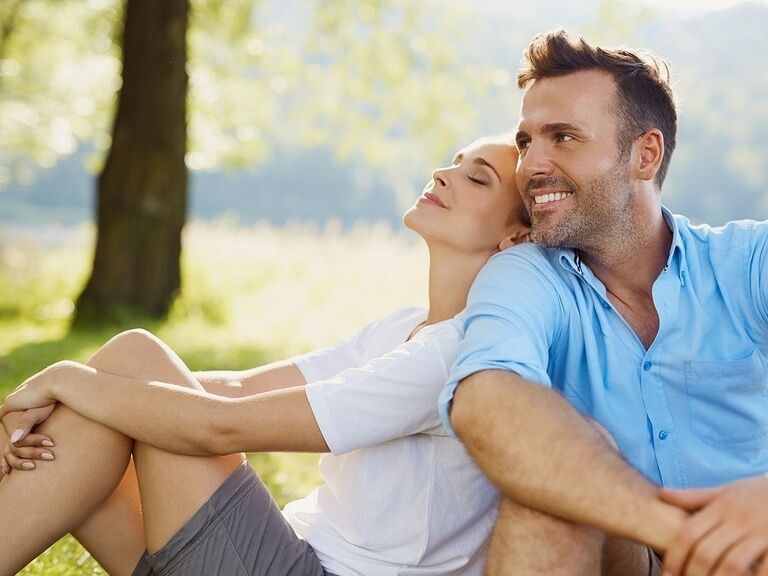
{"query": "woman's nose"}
(440, 177)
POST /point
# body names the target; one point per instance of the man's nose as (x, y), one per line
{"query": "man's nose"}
(535, 162)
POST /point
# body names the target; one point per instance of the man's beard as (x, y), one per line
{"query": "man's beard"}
(601, 212)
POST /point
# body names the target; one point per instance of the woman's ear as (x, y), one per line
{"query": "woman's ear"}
(519, 237)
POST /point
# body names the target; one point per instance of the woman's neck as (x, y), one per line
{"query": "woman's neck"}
(450, 276)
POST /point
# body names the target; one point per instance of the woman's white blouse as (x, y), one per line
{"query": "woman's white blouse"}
(400, 497)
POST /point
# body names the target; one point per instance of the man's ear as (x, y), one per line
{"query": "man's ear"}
(523, 234)
(650, 153)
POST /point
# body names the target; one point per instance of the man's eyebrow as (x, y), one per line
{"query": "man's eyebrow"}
(560, 127)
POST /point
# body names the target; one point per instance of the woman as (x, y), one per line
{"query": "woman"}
(148, 454)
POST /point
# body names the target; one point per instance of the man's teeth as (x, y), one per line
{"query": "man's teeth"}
(552, 197)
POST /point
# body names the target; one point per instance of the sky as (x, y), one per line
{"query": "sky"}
(693, 6)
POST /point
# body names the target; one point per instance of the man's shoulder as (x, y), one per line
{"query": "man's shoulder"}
(722, 237)
(524, 269)
(526, 256)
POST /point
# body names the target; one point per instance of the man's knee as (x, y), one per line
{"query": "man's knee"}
(527, 541)
(625, 558)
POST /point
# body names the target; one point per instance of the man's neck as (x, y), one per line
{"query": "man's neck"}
(631, 267)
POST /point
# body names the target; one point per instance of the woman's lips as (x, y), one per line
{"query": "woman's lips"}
(432, 199)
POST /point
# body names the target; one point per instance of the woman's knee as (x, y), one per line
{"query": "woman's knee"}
(140, 354)
(125, 347)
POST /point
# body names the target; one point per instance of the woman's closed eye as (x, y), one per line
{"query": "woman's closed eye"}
(476, 180)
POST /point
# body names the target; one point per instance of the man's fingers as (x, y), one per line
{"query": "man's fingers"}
(739, 560)
(691, 499)
(710, 549)
(694, 529)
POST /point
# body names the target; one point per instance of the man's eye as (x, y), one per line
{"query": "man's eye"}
(523, 144)
(564, 138)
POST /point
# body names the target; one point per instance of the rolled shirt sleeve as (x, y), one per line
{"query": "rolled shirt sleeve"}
(757, 271)
(389, 397)
(513, 316)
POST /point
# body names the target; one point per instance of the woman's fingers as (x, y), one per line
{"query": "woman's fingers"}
(4, 466)
(31, 453)
(35, 440)
(27, 421)
(18, 463)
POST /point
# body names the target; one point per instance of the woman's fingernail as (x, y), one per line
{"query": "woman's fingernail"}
(47, 443)
(16, 435)
(28, 465)
(46, 456)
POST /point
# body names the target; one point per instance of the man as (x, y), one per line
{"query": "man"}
(655, 329)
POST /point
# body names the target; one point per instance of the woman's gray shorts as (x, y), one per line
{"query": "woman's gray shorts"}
(238, 532)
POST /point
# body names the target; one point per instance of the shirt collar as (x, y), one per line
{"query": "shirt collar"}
(571, 260)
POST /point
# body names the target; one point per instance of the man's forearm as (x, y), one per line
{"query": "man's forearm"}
(541, 453)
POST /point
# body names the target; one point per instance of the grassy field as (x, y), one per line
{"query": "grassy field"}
(250, 296)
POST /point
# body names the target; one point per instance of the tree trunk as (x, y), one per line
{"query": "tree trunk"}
(142, 191)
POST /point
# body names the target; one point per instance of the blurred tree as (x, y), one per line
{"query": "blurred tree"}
(8, 19)
(363, 77)
(142, 190)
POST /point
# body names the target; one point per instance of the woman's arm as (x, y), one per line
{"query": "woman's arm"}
(240, 383)
(174, 418)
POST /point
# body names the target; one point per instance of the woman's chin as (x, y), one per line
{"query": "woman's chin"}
(410, 219)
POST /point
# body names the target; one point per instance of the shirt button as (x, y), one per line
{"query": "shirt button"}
(606, 306)
(663, 435)
(647, 365)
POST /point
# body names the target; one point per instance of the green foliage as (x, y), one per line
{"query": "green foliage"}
(253, 295)
(378, 79)
(58, 73)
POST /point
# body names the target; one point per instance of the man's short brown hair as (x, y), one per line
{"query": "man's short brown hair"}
(644, 96)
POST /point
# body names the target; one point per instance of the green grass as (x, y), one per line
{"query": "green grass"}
(250, 296)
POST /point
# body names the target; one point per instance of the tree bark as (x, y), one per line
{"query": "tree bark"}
(142, 190)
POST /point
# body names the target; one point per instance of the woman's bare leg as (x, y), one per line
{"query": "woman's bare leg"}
(173, 486)
(102, 511)
(140, 355)
(41, 505)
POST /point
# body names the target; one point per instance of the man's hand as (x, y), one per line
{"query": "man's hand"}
(727, 534)
(25, 446)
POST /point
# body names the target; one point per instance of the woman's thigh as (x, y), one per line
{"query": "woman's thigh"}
(238, 531)
(173, 487)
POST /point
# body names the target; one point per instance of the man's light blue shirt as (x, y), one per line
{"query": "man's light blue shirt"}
(690, 411)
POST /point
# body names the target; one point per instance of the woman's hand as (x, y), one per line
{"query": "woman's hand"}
(31, 447)
(38, 390)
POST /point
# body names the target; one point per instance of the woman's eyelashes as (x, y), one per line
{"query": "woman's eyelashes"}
(476, 180)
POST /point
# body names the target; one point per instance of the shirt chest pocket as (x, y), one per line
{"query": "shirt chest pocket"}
(728, 401)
